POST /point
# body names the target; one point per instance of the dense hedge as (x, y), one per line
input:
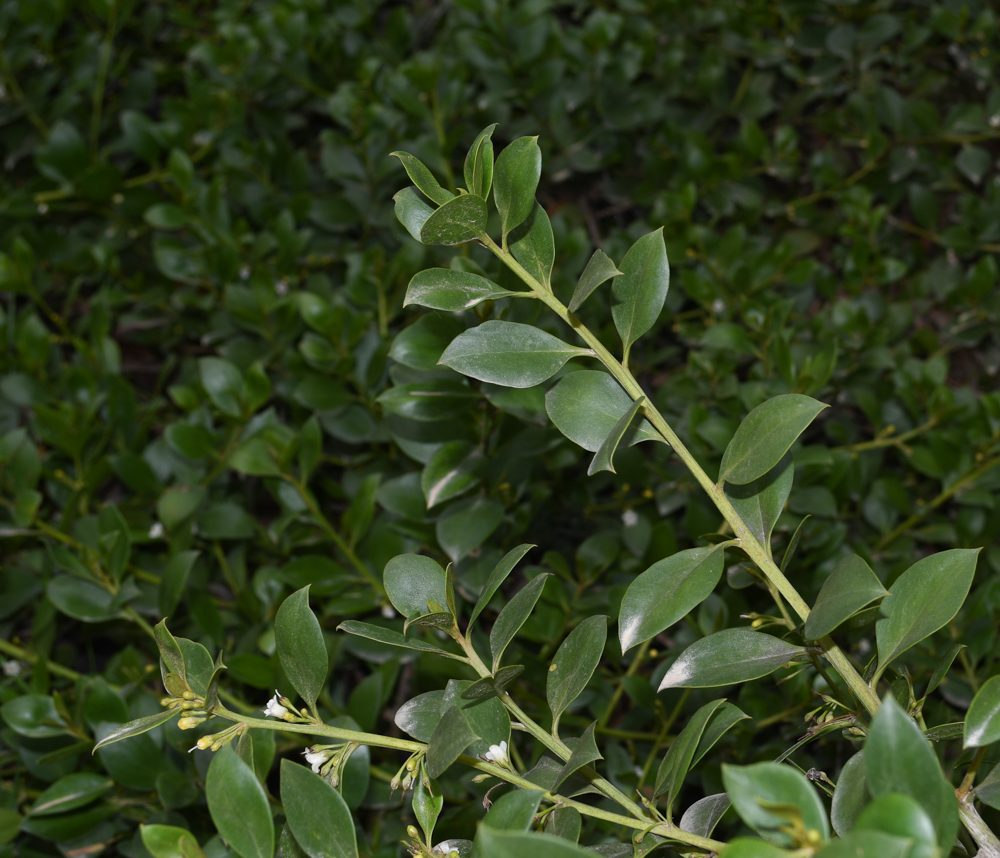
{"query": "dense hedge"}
(212, 395)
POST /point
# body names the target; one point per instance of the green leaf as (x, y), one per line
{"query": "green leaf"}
(533, 245)
(115, 540)
(446, 289)
(411, 582)
(702, 816)
(254, 459)
(574, 663)
(850, 796)
(138, 726)
(173, 580)
(898, 759)
(585, 406)
(392, 638)
(423, 178)
(868, 844)
(34, 716)
(728, 657)
(760, 502)
(223, 382)
(170, 650)
(465, 525)
(420, 715)
(169, 841)
(599, 269)
(751, 847)
(238, 805)
(497, 577)
(70, 792)
(488, 717)
(639, 292)
(584, 752)
(514, 844)
(411, 211)
(514, 614)
(300, 644)
(850, 587)
(426, 808)
(604, 457)
(515, 180)
(666, 591)
(943, 666)
(457, 221)
(720, 722)
(565, 823)
(421, 345)
(493, 686)
(509, 354)
(454, 469)
(317, 814)
(450, 739)
(80, 600)
(514, 811)
(761, 793)
(901, 816)
(922, 600)
(679, 759)
(988, 792)
(765, 435)
(478, 167)
(982, 722)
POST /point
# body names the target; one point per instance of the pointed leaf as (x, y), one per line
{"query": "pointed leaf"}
(514, 615)
(679, 759)
(584, 752)
(454, 469)
(450, 739)
(493, 686)
(238, 805)
(943, 666)
(411, 581)
(412, 211)
(901, 816)
(70, 792)
(170, 650)
(497, 577)
(139, 725)
(982, 722)
(459, 220)
(604, 458)
(445, 289)
(702, 816)
(514, 811)
(728, 657)
(488, 717)
(511, 844)
(392, 638)
(426, 808)
(765, 435)
(317, 814)
(420, 715)
(760, 502)
(850, 587)
(724, 718)
(515, 180)
(922, 600)
(300, 644)
(586, 405)
(793, 544)
(479, 163)
(599, 269)
(759, 789)
(423, 178)
(638, 294)
(574, 663)
(509, 354)
(666, 591)
(534, 246)
(850, 796)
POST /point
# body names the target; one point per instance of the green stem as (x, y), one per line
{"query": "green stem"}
(23, 655)
(748, 542)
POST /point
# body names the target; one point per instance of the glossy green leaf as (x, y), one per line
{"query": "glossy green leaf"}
(515, 179)
(238, 805)
(450, 739)
(565, 823)
(924, 598)
(850, 587)
(223, 382)
(727, 657)
(514, 614)
(79, 599)
(392, 638)
(70, 792)
(170, 650)
(679, 759)
(65, 827)
(488, 717)
(137, 727)
(765, 435)
(898, 759)
(421, 345)
(982, 721)
(760, 502)
(169, 841)
(446, 289)
(423, 178)
(426, 808)
(514, 811)
(604, 457)
(584, 752)
(465, 525)
(868, 844)
(988, 792)
(637, 295)
(943, 666)
(666, 591)
(478, 168)
(702, 816)
(412, 211)
(901, 816)
(453, 470)
(174, 580)
(509, 354)
(491, 843)
(457, 221)
(33, 715)
(300, 644)
(317, 814)
(411, 582)
(719, 723)
(850, 796)
(497, 577)
(420, 715)
(254, 458)
(585, 406)
(574, 663)
(599, 269)
(533, 245)
(762, 793)
(493, 686)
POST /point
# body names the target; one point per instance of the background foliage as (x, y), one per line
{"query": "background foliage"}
(203, 314)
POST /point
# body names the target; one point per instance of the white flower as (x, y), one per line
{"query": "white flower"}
(281, 287)
(274, 708)
(245, 273)
(388, 612)
(630, 518)
(316, 759)
(156, 531)
(12, 668)
(497, 754)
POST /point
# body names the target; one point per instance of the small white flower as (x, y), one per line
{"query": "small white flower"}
(497, 754)
(245, 272)
(630, 518)
(12, 668)
(156, 531)
(274, 708)
(42, 208)
(281, 287)
(316, 759)
(388, 612)
(718, 305)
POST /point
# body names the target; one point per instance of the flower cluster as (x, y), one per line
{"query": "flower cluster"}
(498, 754)
(281, 707)
(192, 707)
(329, 760)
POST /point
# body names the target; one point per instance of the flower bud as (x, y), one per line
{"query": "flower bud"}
(411, 830)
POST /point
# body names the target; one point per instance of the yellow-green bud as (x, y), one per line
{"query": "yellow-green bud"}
(411, 830)
(188, 723)
(188, 695)
(204, 743)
